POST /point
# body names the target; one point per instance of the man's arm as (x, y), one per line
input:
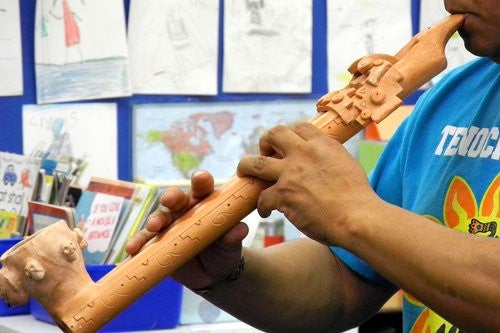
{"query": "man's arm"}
(299, 286)
(453, 273)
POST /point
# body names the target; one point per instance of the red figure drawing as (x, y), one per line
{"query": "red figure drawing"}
(72, 33)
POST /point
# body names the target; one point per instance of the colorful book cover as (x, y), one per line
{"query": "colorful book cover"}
(98, 215)
(19, 178)
(119, 188)
(43, 214)
(112, 187)
(144, 201)
(9, 225)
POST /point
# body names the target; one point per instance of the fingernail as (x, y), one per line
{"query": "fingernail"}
(162, 209)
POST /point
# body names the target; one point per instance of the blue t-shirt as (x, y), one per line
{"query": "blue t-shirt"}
(443, 163)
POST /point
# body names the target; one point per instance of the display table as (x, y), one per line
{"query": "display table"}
(28, 324)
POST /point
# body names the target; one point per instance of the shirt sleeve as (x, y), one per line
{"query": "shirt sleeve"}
(389, 178)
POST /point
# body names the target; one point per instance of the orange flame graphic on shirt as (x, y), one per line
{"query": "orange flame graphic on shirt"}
(462, 213)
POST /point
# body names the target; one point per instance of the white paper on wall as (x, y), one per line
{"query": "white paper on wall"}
(173, 46)
(11, 67)
(86, 130)
(80, 50)
(359, 28)
(267, 46)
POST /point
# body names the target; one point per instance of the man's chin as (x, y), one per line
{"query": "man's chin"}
(482, 48)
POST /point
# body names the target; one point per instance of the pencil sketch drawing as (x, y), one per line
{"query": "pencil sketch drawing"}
(365, 27)
(173, 46)
(267, 46)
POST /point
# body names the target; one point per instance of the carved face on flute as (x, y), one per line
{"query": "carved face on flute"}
(44, 265)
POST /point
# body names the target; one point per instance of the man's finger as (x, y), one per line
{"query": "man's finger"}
(263, 167)
(202, 184)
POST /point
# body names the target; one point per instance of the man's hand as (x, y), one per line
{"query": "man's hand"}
(318, 184)
(214, 264)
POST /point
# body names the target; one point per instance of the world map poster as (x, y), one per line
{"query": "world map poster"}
(171, 141)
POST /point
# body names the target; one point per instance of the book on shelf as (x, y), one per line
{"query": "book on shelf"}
(112, 186)
(46, 180)
(144, 201)
(137, 200)
(19, 182)
(115, 187)
(98, 215)
(9, 225)
(41, 215)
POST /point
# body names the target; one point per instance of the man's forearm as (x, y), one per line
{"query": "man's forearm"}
(455, 274)
(294, 286)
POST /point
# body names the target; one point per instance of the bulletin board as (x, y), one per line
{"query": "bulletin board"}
(11, 107)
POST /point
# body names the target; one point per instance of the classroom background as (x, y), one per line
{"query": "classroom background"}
(11, 107)
(136, 134)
